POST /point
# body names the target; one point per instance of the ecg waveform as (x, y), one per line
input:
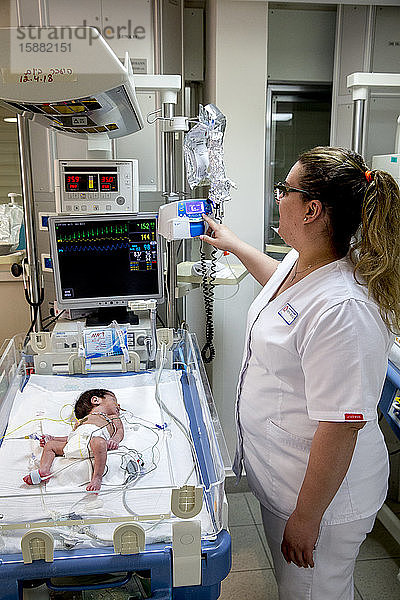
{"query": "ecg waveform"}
(95, 233)
(72, 248)
(103, 239)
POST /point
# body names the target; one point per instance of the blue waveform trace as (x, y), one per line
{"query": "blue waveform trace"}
(78, 248)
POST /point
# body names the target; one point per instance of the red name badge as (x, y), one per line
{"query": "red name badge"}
(354, 417)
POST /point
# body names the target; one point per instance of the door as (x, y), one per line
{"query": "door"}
(298, 118)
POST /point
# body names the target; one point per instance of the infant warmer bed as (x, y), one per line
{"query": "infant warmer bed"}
(160, 516)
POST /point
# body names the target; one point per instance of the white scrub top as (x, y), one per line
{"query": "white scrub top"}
(317, 352)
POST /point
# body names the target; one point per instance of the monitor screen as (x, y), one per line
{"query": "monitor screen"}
(106, 260)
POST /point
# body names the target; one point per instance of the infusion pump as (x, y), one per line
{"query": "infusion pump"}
(96, 186)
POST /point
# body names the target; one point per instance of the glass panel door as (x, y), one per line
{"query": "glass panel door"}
(298, 118)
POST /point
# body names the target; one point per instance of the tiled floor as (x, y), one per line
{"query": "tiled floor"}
(252, 577)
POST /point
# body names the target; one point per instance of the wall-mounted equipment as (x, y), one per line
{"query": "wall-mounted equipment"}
(96, 186)
(87, 91)
(390, 162)
(360, 85)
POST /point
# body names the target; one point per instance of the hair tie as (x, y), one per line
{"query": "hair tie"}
(368, 176)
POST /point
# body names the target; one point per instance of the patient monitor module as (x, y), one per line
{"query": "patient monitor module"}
(96, 186)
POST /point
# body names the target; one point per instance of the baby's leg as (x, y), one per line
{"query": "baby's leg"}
(51, 449)
(98, 447)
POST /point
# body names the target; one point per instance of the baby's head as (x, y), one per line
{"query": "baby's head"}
(89, 399)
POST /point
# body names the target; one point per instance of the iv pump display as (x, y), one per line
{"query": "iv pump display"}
(182, 220)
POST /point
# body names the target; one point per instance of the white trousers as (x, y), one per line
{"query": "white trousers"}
(334, 560)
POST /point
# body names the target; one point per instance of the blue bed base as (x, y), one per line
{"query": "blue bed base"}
(156, 558)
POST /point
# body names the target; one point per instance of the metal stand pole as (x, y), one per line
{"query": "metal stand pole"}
(171, 195)
(358, 125)
(29, 218)
(24, 148)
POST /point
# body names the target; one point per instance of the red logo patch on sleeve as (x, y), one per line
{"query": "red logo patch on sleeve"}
(353, 417)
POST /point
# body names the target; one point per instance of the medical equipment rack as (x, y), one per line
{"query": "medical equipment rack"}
(156, 561)
(388, 404)
(390, 409)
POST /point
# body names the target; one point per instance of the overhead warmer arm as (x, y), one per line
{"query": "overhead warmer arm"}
(360, 84)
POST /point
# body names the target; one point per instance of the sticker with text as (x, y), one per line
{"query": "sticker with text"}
(353, 417)
(288, 314)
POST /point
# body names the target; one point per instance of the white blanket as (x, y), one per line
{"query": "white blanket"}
(44, 406)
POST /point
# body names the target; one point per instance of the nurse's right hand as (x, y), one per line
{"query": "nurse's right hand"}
(220, 236)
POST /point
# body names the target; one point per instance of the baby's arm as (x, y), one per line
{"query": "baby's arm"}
(99, 448)
(117, 436)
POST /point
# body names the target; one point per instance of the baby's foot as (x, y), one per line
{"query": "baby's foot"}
(45, 438)
(94, 485)
(35, 477)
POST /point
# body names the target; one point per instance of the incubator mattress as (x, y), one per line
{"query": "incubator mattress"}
(45, 406)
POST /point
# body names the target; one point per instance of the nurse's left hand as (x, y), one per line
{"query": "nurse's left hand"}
(299, 539)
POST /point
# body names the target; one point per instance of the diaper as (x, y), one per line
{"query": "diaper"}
(77, 445)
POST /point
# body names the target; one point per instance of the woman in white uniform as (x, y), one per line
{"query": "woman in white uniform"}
(315, 359)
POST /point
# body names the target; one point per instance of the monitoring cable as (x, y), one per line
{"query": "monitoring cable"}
(53, 320)
(151, 341)
(208, 284)
(33, 323)
(48, 318)
(161, 321)
(164, 408)
(34, 305)
(237, 286)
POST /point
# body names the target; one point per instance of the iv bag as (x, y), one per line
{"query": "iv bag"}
(11, 217)
(204, 154)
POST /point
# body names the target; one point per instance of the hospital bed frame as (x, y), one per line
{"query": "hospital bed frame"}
(390, 391)
(158, 560)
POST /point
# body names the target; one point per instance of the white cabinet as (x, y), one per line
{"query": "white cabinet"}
(127, 25)
(75, 12)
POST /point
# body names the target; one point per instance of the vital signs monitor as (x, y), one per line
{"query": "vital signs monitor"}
(105, 261)
(96, 186)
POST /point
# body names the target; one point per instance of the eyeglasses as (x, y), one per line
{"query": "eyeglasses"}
(282, 189)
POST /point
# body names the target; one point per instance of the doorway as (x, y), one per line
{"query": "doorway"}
(298, 118)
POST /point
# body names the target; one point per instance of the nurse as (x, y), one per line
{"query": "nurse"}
(315, 359)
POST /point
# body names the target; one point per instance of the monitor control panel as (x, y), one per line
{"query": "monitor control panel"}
(96, 186)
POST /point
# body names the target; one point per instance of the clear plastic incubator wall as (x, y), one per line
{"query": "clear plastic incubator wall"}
(161, 495)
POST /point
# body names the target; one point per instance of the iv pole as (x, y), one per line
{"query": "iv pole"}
(27, 195)
(171, 195)
(168, 86)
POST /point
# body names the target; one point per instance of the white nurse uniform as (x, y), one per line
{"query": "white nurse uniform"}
(316, 352)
